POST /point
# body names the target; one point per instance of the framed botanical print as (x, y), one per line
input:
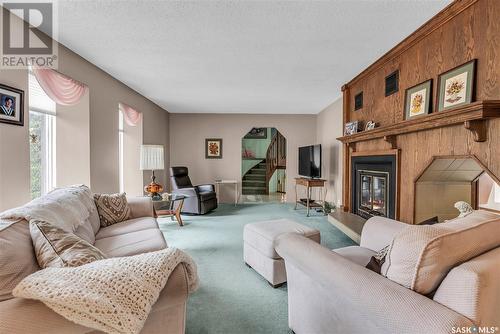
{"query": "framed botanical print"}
(213, 148)
(418, 100)
(11, 105)
(456, 87)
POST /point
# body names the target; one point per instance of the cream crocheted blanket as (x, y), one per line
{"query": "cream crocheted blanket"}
(113, 295)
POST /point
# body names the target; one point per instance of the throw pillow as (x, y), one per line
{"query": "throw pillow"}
(17, 259)
(378, 260)
(55, 247)
(421, 256)
(112, 208)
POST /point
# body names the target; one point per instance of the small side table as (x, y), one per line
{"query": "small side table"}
(308, 202)
(167, 207)
(236, 192)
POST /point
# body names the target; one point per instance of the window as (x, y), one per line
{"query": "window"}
(120, 150)
(129, 147)
(42, 135)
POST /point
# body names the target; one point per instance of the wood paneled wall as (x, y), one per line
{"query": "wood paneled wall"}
(465, 30)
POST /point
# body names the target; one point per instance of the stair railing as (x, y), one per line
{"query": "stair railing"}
(275, 157)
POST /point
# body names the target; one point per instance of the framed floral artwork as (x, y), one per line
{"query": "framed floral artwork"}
(456, 87)
(418, 100)
(213, 148)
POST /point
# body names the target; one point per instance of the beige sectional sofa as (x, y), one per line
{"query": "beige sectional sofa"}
(137, 235)
(454, 266)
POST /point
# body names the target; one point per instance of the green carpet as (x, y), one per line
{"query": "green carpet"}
(233, 298)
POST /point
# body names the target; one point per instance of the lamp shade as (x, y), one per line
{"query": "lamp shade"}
(152, 157)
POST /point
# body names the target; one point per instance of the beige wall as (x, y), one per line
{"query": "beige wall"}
(105, 93)
(14, 149)
(329, 127)
(187, 144)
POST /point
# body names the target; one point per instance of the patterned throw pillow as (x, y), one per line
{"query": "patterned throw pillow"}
(112, 208)
(378, 260)
(55, 247)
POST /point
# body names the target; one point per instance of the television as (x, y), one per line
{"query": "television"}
(310, 161)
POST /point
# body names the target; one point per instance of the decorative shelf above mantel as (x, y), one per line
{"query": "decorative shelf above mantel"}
(473, 116)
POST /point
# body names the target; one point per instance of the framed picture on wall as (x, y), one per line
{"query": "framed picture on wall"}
(256, 133)
(11, 105)
(418, 100)
(456, 86)
(213, 148)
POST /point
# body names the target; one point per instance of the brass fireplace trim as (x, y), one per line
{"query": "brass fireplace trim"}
(387, 189)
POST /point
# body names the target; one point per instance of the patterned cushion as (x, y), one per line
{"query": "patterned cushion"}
(112, 208)
(55, 247)
(377, 260)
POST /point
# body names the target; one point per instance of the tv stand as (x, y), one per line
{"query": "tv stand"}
(310, 183)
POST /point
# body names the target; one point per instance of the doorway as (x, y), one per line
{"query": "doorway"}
(263, 166)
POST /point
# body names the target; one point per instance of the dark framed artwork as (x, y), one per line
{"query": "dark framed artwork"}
(392, 83)
(358, 101)
(213, 148)
(11, 105)
(256, 133)
(418, 100)
(456, 86)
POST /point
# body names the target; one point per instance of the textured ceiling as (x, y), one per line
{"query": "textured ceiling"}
(238, 56)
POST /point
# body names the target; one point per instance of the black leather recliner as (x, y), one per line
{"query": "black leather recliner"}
(200, 199)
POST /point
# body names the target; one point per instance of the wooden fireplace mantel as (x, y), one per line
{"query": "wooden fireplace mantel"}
(460, 33)
(473, 116)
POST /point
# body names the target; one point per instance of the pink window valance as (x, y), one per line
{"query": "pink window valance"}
(61, 89)
(130, 115)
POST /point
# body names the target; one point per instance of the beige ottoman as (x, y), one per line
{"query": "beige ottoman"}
(258, 247)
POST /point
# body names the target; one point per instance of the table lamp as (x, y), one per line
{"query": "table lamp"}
(152, 159)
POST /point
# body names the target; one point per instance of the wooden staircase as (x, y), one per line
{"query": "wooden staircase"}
(254, 181)
(275, 157)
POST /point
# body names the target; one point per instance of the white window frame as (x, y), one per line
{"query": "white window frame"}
(48, 152)
(120, 150)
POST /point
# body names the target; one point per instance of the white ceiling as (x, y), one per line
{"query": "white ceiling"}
(238, 56)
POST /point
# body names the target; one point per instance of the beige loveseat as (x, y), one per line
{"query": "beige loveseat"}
(333, 292)
(137, 235)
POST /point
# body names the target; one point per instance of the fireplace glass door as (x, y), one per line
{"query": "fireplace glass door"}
(373, 193)
(366, 191)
